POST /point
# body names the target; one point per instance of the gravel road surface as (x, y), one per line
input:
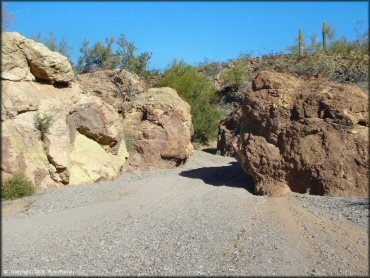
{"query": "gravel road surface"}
(200, 219)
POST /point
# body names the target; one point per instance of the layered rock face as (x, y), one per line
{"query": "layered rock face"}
(56, 135)
(305, 135)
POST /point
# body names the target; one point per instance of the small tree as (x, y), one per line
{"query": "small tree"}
(51, 42)
(100, 56)
(200, 93)
(315, 44)
(128, 59)
(301, 42)
(6, 17)
(328, 33)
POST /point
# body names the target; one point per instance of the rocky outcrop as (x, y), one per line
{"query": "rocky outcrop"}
(82, 143)
(228, 134)
(305, 135)
(158, 123)
(55, 135)
(26, 60)
(58, 132)
(113, 86)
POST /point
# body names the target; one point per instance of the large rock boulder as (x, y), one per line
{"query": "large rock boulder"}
(158, 122)
(55, 135)
(305, 135)
(82, 143)
(24, 59)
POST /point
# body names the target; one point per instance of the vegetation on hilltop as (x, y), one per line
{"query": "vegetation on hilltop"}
(339, 60)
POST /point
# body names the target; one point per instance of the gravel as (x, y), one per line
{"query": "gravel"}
(197, 220)
(355, 210)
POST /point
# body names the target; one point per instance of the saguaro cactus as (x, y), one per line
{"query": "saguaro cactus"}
(301, 42)
(325, 35)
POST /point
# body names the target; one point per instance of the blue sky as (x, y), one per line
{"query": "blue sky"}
(190, 31)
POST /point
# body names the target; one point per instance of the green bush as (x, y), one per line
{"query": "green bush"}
(131, 62)
(236, 76)
(102, 56)
(43, 122)
(200, 93)
(98, 57)
(210, 69)
(17, 186)
(129, 141)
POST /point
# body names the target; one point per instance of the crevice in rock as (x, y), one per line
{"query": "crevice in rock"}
(304, 182)
(174, 160)
(61, 171)
(362, 122)
(100, 138)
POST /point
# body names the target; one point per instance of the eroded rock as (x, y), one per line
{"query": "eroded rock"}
(54, 135)
(159, 123)
(112, 86)
(24, 59)
(307, 135)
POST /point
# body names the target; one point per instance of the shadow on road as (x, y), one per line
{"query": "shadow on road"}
(231, 175)
(210, 150)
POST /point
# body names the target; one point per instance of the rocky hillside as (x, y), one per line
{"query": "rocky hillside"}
(307, 135)
(59, 131)
(341, 68)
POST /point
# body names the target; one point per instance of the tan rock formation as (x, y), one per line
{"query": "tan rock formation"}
(25, 59)
(113, 86)
(304, 135)
(57, 134)
(54, 135)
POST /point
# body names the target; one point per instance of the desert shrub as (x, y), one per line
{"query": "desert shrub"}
(43, 122)
(200, 93)
(102, 56)
(339, 60)
(7, 18)
(129, 60)
(99, 56)
(17, 186)
(342, 67)
(129, 141)
(236, 76)
(210, 69)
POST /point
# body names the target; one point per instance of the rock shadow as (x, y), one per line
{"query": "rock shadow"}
(231, 175)
(210, 150)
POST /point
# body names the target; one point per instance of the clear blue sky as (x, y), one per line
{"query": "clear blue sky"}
(191, 31)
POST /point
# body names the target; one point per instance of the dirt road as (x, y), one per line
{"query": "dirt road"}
(200, 219)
